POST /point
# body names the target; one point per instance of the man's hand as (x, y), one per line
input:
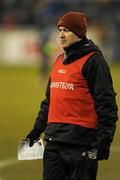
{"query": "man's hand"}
(103, 153)
(103, 149)
(33, 136)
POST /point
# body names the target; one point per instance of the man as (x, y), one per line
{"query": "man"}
(79, 112)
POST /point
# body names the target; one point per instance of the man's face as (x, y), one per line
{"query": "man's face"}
(67, 37)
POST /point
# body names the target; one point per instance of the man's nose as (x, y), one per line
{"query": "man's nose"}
(62, 34)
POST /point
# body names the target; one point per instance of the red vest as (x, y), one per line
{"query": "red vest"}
(70, 98)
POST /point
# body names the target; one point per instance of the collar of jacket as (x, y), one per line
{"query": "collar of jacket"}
(78, 50)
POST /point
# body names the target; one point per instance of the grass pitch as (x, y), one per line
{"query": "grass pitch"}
(21, 91)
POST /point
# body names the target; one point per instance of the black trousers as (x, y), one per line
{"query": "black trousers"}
(65, 162)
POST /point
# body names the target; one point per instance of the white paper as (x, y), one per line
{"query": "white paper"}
(30, 153)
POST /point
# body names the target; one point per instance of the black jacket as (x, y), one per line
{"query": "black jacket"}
(97, 74)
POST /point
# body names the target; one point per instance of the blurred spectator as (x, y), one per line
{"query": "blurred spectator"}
(43, 14)
(116, 37)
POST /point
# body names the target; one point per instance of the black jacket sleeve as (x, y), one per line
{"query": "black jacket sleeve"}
(97, 73)
(42, 118)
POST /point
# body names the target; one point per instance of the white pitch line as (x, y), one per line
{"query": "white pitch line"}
(7, 162)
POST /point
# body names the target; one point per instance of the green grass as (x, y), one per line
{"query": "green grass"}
(20, 94)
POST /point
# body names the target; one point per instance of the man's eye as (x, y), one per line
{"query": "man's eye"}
(66, 30)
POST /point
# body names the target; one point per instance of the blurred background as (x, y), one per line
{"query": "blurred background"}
(28, 48)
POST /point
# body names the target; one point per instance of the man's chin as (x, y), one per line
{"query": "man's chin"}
(64, 45)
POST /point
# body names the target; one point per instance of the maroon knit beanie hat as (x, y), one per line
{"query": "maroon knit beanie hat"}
(75, 22)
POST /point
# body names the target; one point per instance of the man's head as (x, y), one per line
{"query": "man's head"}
(75, 23)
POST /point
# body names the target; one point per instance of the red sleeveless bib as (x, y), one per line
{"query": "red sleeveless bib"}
(70, 98)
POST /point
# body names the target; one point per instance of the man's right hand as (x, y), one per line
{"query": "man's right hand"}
(33, 136)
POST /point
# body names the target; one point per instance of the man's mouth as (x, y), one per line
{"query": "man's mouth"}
(63, 41)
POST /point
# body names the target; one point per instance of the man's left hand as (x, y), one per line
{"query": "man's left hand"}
(103, 153)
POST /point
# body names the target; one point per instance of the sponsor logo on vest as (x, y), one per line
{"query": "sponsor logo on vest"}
(62, 85)
(62, 71)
